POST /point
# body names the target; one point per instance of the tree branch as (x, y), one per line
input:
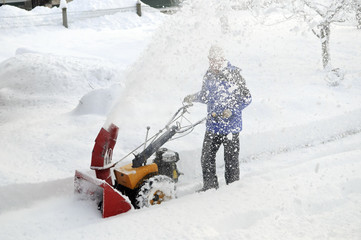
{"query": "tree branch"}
(313, 7)
(337, 9)
(314, 32)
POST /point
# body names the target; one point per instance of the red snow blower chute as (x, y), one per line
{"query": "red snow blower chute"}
(137, 184)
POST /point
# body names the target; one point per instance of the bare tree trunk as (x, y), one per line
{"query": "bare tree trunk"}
(334, 75)
(325, 41)
(358, 16)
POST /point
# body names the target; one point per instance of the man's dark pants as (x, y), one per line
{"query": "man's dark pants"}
(211, 144)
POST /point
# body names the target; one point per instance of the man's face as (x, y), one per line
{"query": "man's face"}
(216, 63)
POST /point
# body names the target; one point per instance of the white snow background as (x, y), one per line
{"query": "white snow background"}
(300, 146)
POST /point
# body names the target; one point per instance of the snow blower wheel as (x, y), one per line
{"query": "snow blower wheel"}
(155, 190)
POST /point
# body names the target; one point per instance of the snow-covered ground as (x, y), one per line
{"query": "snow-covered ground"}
(300, 147)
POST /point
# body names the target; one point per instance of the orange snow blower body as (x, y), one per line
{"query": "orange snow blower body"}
(121, 196)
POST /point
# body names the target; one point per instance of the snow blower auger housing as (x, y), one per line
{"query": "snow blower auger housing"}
(137, 184)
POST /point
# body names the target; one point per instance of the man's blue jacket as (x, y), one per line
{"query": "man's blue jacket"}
(226, 95)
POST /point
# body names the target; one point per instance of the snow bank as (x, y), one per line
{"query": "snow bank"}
(30, 76)
(11, 11)
(99, 101)
(288, 138)
(28, 194)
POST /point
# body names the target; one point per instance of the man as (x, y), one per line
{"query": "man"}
(226, 95)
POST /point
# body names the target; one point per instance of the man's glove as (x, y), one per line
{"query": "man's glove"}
(190, 98)
(227, 113)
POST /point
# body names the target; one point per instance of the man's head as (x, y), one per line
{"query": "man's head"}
(216, 58)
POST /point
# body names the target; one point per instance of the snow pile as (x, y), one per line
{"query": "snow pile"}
(99, 101)
(11, 11)
(33, 76)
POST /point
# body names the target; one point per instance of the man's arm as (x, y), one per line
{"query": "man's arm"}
(201, 96)
(245, 94)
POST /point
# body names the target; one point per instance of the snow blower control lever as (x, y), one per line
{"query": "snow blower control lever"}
(137, 184)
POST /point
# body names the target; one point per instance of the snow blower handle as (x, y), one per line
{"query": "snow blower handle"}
(142, 157)
(179, 113)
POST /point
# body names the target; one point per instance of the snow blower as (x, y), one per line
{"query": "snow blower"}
(138, 184)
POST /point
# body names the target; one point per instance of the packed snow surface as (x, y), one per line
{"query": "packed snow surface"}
(300, 146)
